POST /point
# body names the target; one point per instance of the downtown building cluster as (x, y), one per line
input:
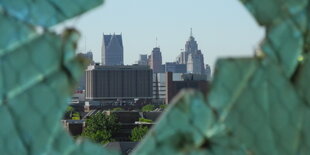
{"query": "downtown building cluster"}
(190, 60)
(112, 88)
(148, 78)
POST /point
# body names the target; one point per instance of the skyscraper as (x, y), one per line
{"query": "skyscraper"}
(208, 72)
(156, 60)
(112, 51)
(192, 57)
(142, 60)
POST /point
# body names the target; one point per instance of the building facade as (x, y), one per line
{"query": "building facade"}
(112, 51)
(90, 61)
(192, 57)
(208, 72)
(118, 82)
(156, 60)
(192, 81)
(175, 67)
(142, 60)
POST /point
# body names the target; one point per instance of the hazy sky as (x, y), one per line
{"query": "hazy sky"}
(222, 28)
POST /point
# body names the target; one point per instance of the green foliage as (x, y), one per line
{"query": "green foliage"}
(100, 128)
(68, 112)
(145, 120)
(76, 116)
(163, 106)
(117, 109)
(69, 109)
(101, 136)
(148, 108)
(138, 133)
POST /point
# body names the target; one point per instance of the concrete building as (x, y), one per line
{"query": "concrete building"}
(155, 60)
(159, 84)
(195, 63)
(167, 85)
(78, 97)
(89, 57)
(173, 87)
(208, 72)
(118, 82)
(175, 67)
(112, 51)
(142, 60)
(74, 127)
(182, 58)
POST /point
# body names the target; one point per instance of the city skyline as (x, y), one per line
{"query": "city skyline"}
(219, 27)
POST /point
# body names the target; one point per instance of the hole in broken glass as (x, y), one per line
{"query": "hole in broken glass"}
(126, 117)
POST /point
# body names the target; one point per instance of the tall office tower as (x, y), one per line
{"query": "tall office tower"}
(191, 45)
(112, 51)
(182, 58)
(192, 57)
(208, 72)
(143, 60)
(195, 63)
(156, 60)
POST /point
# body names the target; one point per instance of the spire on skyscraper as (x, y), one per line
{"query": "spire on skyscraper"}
(191, 32)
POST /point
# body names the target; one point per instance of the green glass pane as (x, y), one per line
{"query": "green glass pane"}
(47, 13)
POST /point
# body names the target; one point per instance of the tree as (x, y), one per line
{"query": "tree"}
(138, 133)
(68, 112)
(148, 108)
(76, 116)
(117, 109)
(100, 128)
(163, 106)
(69, 109)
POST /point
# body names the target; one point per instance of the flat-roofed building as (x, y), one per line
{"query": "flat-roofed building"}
(175, 67)
(118, 82)
(193, 81)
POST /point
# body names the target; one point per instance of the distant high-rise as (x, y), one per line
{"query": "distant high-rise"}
(112, 50)
(195, 63)
(192, 57)
(156, 60)
(88, 56)
(191, 45)
(175, 67)
(142, 60)
(208, 72)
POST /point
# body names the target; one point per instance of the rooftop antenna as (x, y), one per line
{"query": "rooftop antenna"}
(191, 32)
(156, 42)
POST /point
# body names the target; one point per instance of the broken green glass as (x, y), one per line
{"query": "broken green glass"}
(46, 13)
(256, 105)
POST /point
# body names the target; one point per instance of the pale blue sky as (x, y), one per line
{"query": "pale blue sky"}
(222, 28)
